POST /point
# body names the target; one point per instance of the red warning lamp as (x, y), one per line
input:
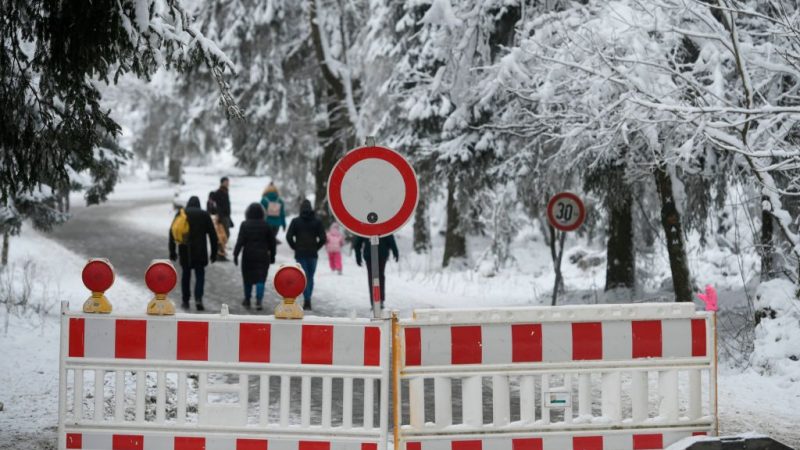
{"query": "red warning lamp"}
(97, 276)
(161, 277)
(290, 282)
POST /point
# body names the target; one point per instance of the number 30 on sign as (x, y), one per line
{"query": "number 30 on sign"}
(565, 211)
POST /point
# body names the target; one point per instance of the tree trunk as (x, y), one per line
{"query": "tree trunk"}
(175, 171)
(6, 241)
(620, 252)
(767, 250)
(455, 244)
(422, 232)
(673, 232)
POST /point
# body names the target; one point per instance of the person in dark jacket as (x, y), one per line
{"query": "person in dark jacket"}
(194, 254)
(223, 203)
(363, 250)
(306, 235)
(256, 243)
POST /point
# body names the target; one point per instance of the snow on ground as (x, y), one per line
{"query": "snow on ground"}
(748, 400)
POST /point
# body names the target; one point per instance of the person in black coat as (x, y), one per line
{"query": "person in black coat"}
(306, 235)
(363, 249)
(194, 255)
(223, 203)
(256, 243)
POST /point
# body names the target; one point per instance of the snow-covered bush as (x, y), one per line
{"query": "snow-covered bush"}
(777, 343)
(24, 296)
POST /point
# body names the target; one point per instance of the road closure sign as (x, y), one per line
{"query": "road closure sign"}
(565, 211)
(373, 191)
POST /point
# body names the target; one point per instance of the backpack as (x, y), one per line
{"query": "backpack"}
(180, 228)
(273, 209)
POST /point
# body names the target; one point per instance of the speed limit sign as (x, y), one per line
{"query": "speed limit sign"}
(565, 211)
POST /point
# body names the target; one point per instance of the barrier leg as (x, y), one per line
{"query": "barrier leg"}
(501, 401)
(612, 402)
(639, 396)
(416, 402)
(442, 388)
(527, 399)
(472, 401)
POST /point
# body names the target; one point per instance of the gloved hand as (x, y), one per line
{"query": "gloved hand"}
(213, 258)
(173, 256)
(396, 258)
(272, 260)
(235, 260)
(358, 262)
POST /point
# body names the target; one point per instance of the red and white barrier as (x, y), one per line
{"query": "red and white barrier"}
(223, 382)
(579, 377)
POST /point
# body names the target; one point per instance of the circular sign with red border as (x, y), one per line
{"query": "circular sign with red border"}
(373, 191)
(98, 275)
(565, 211)
(161, 277)
(289, 281)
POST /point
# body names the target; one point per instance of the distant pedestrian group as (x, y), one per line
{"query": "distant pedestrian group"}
(194, 230)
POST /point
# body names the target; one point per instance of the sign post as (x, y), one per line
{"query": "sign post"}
(565, 212)
(372, 192)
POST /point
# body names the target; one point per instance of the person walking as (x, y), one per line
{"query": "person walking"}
(224, 223)
(363, 249)
(256, 243)
(334, 244)
(306, 235)
(274, 209)
(192, 252)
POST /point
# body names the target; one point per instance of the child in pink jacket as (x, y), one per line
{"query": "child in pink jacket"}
(334, 247)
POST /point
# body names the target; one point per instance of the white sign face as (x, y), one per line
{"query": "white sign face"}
(566, 212)
(557, 399)
(373, 190)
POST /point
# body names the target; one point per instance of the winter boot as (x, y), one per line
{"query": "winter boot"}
(199, 306)
(185, 305)
(246, 303)
(307, 305)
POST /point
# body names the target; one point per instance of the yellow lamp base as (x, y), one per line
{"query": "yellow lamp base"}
(288, 309)
(97, 303)
(160, 306)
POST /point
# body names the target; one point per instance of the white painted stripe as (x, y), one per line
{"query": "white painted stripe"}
(435, 345)
(223, 341)
(275, 444)
(617, 343)
(497, 345)
(162, 339)
(556, 342)
(158, 442)
(436, 445)
(99, 337)
(497, 444)
(218, 443)
(286, 343)
(96, 441)
(671, 437)
(557, 443)
(618, 442)
(348, 345)
(676, 338)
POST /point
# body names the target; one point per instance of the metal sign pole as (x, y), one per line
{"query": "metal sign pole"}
(376, 279)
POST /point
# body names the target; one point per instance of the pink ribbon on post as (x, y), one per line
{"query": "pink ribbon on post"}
(709, 298)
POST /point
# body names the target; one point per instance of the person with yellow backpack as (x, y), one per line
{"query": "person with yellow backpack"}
(187, 245)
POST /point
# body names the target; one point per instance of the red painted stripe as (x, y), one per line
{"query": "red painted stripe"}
(317, 344)
(587, 340)
(130, 339)
(310, 445)
(413, 446)
(526, 342)
(466, 345)
(527, 444)
(369, 446)
(251, 444)
(74, 440)
(376, 293)
(699, 433)
(646, 338)
(648, 441)
(587, 443)
(77, 330)
(372, 346)
(190, 443)
(193, 341)
(698, 337)
(254, 342)
(467, 445)
(413, 347)
(127, 442)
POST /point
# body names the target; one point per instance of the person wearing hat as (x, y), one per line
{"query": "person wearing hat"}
(306, 236)
(273, 208)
